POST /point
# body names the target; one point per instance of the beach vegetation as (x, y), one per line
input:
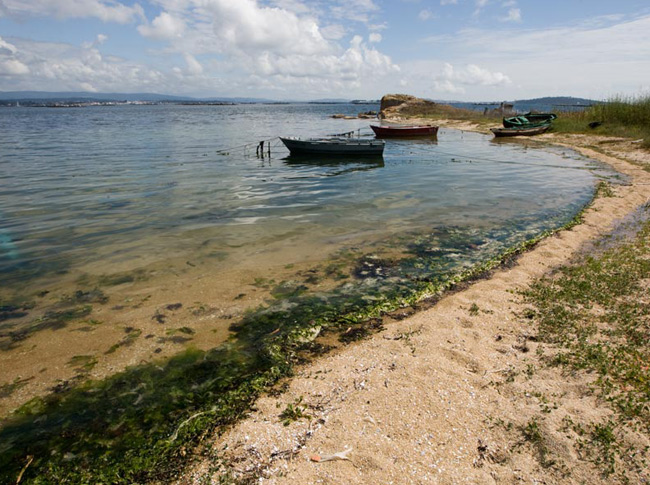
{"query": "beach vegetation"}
(618, 116)
(533, 434)
(294, 412)
(593, 317)
(474, 309)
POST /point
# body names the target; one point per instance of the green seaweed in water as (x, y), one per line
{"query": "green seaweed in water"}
(134, 426)
(91, 296)
(83, 363)
(52, 320)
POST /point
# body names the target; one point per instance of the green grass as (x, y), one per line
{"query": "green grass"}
(627, 117)
(634, 111)
(595, 317)
(294, 412)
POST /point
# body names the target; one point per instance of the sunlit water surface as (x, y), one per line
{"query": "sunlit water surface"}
(133, 201)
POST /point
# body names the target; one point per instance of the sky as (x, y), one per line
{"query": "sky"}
(468, 50)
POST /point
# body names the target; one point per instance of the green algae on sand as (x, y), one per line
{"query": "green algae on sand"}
(136, 426)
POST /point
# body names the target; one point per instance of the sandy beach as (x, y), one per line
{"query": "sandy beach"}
(440, 396)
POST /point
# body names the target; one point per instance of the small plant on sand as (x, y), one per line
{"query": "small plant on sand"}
(294, 412)
(474, 309)
(532, 433)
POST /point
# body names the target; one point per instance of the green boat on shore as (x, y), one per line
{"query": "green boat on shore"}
(529, 120)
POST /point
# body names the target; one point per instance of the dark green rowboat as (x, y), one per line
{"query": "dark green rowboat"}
(529, 120)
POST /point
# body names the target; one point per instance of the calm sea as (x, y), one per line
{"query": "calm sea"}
(134, 234)
(111, 214)
(102, 188)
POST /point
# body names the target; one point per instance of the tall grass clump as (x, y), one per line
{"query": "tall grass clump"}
(624, 116)
(633, 111)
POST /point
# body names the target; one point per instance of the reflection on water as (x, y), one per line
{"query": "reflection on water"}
(333, 165)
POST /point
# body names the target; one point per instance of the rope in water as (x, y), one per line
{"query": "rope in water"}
(226, 151)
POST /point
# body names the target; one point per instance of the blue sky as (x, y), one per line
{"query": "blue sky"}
(305, 49)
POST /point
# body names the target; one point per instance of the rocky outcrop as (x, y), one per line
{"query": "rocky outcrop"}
(403, 104)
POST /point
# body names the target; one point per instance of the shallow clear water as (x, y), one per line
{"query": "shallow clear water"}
(129, 234)
(109, 185)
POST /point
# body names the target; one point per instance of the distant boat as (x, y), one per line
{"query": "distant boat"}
(334, 146)
(526, 131)
(528, 120)
(404, 130)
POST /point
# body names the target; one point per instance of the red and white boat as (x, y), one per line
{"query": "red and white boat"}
(404, 130)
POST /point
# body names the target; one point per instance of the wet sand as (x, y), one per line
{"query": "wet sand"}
(431, 399)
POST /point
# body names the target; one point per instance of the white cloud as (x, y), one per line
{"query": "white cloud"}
(6, 47)
(452, 80)
(333, 32)
(355, 63)
(215, 46)
(553, 61)
(88, 87)
(105, 10)
(473, 75)
(99, 40)
(355, 10)
(295, 6)
(12, 67)
(9, 64)
(164, 27)
(425, 15)
(448, 2)
(377, 27)
(63, 67)
(514, 15)
(447, 87)
(194, 67)
(480, 5)
(246, 36)
(249, 28)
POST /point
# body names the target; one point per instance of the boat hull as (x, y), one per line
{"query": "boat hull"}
(404, 131)
(529, 120)
(334, 146)
(504, 132)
